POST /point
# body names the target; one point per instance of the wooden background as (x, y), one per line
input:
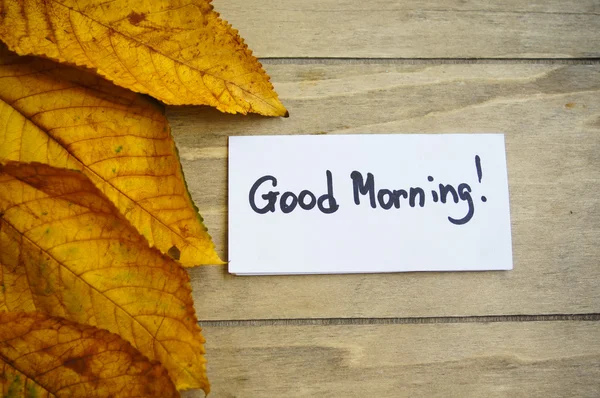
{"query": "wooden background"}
(530, 69)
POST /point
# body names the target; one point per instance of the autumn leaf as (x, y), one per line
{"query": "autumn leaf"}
(66, 251)
(42, 356)
(180, 52)
(68, 118)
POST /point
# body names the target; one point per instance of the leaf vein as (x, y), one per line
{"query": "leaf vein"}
(175, 60)
(109, 299)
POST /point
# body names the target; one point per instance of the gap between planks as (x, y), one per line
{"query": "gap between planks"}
(401, 321)
(427, 61)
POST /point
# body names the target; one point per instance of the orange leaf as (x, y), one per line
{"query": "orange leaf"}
(41, 355)
(68, 118)
(180, 52)
(66, 251)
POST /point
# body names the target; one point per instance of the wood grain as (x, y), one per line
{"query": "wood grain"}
(530, 359)
(417, 29)
(551, 117)
(528, 69)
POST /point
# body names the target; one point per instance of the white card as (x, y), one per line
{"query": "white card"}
(368, 203)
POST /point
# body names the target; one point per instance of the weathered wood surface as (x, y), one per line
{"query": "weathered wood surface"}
(551, 117)
(528, 359)
(401, 68)
(417, 29)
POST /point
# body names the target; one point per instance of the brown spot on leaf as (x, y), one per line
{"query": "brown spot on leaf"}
(570, 105)
(78, 364)
(135, 18)
(93, 357)
(174, 253)
(148, 390)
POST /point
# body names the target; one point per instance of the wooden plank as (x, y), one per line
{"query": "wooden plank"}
(531, 359)
(551, 117)
(417, 29)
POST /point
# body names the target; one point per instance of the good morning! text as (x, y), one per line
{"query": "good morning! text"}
(365, 192)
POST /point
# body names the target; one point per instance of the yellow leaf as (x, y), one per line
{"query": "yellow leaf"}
(180, 52)
(66, 251)
(46, 356)
(68, 118)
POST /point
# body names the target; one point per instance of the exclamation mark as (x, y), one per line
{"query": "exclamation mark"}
(479, 173)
